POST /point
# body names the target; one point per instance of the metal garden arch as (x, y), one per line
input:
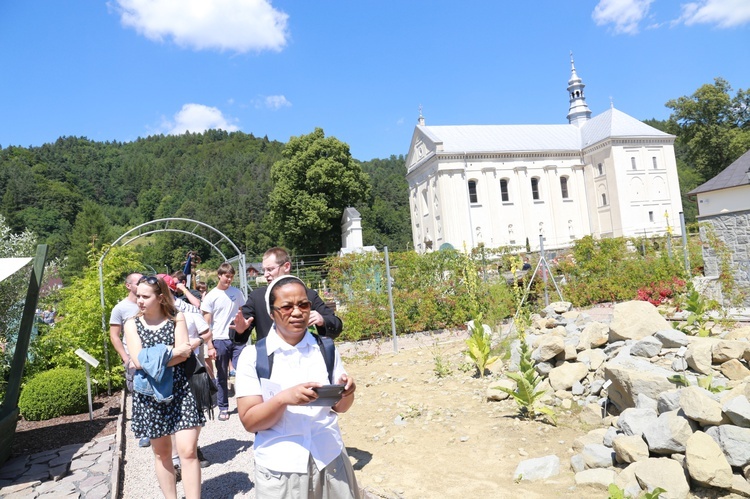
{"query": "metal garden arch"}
(194, 228)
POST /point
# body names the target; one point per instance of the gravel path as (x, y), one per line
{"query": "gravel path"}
(226, 444)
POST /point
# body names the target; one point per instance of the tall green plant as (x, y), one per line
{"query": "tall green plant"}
(527, 393)
(480, 348)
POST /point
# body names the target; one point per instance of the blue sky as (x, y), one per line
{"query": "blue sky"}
(360, 69)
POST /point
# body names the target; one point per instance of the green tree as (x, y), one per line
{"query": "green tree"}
(712, 125)
(385, 212)
(313, 184)
(81, 323)
(91, 230)
(13, 289)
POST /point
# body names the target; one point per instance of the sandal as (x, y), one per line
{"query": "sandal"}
(223, 416)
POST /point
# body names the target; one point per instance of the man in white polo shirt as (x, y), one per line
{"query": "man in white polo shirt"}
(219, 308)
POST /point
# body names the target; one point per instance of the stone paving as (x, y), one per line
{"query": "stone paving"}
(73, 471)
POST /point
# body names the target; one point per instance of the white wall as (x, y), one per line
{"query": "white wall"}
(724, 200)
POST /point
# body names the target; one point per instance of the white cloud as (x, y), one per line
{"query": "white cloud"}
(625, 15)
(400, 121)
(276, 102)
(236, 25)
(197, 118)
(722, 13)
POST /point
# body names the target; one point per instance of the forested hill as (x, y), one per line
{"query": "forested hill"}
(76, 191)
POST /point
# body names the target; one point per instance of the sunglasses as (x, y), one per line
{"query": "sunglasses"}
(286, 310)
(149, 279)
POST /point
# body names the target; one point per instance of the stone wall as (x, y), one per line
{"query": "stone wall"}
(734, 230)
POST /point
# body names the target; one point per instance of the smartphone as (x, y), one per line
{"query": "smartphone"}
(328, 395)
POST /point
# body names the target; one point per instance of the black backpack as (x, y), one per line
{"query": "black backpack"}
(264, 362)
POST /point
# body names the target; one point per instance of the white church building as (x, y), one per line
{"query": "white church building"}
(497, 185)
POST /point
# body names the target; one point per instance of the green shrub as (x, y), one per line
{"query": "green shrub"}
(54, 393)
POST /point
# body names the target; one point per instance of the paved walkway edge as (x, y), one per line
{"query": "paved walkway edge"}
(119, 450)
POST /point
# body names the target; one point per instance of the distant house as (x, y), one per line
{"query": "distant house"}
(609, 175)
(724, 205)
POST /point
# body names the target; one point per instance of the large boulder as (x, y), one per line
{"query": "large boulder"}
(647, 347)
(738, 410)
(593, 358)
(565, 376)
(699, 356)
(540, 468)
(706, 463)
(734, 442)
(672, 338)
(630, 448)
(734, 369)
(598, 456)
(725, 350)
(594, 335)
(669, 434)
(599, 478)
(634, 320)
(665, 473)
(548, 347)
(698, 404)
(631, 376)
(634, 421)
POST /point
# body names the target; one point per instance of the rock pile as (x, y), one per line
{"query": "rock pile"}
(666, 434)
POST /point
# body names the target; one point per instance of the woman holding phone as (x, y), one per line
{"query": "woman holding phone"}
(298, 447)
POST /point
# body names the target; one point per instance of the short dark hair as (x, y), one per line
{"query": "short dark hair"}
(280, 283)
(225, 268)
(179, 276)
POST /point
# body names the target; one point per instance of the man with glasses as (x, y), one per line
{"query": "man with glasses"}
(276, 263)
(124, 310)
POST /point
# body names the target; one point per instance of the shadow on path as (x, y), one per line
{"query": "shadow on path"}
(362, 456)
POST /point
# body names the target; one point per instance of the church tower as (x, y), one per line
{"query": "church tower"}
(579, 112)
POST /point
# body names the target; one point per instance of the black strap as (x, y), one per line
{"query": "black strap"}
(264, 362)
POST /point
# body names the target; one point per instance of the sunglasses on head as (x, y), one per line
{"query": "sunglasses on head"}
(149, 279)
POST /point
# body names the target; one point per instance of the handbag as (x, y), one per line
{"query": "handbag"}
(203, 387)
(204, 391)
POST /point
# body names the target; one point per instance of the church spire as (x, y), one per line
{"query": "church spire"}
(420, 120)
(579, 111)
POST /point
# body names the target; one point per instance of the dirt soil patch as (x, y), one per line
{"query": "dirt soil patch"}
(412, 434)
(39, 436)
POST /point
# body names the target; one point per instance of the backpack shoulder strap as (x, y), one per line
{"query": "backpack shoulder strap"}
(263, 361)
(328, 349)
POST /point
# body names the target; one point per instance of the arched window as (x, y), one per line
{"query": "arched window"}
(564, 187)
(600, 167)
(473, 191)
(504, 190)
(632, 163)
(535, 188)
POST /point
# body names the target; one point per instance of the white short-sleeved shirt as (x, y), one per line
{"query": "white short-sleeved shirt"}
(223, 305)
(195, 324)
(303, 430)
(124, 310)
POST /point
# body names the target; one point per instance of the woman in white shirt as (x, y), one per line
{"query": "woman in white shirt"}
(298, 447)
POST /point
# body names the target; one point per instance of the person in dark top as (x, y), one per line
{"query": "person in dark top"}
(253, 314)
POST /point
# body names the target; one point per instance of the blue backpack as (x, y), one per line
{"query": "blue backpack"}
(264, 362)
